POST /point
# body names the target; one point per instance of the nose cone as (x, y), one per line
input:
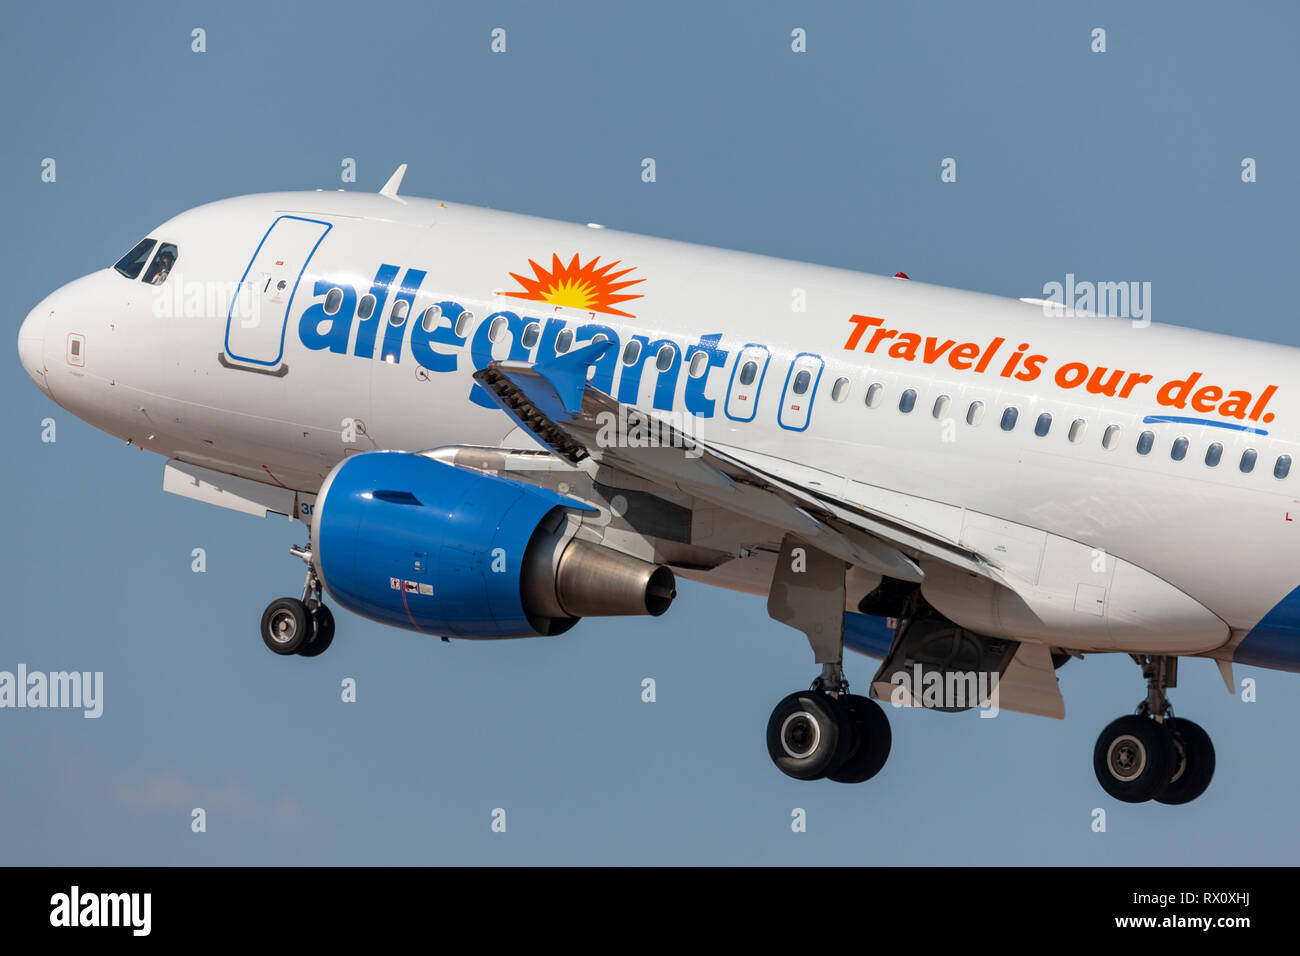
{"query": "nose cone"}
(31, 346)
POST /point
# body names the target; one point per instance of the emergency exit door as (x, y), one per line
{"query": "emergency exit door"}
(800, 390)
(746, 382)
(259, 311)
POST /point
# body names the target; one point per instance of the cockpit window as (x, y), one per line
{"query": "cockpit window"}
(131, 263)
(162, 264)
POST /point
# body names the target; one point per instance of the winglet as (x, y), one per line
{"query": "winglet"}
(568, 373)
(394, 183)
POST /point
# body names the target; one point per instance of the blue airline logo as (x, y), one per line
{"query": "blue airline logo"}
(438, 347)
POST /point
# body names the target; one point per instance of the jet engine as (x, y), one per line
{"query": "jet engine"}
(418, 543)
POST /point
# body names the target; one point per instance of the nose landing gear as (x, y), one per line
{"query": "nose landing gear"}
(1153, 755)
(303, 627)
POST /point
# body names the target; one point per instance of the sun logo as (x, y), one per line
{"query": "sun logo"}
(578, 286)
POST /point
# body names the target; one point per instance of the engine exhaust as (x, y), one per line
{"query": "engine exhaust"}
(590, 580)
(593, 581)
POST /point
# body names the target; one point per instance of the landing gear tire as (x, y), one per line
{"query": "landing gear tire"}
(322, 632)
(286, 625)
(808, 735)
(872, 739)
(1134, 759)
(1193, 764)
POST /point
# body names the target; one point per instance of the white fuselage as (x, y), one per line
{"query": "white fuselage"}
(170, 368)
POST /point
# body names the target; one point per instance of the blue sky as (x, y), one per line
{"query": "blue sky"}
(1116, 166)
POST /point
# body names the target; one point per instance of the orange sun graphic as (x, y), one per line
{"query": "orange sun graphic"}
(578, 286)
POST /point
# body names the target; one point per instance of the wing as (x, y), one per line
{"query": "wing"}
(575, 421)
(554, 402)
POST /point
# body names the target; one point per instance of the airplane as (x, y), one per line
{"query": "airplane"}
(493, 425)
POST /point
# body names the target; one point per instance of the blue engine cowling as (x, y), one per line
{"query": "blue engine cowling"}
(417, 543)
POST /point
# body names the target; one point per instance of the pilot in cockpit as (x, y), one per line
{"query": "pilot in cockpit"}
(162, 266)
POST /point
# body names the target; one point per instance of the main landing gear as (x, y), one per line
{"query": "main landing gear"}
(1153, 755)
(833, 734)
(306, 627)
(824, 731)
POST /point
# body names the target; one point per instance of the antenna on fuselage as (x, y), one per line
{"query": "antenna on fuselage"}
(394, 183)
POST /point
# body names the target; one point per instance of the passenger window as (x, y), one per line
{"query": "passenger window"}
(975, 414)
(366, 307)
(1213, 454)
(840, 390)
(131, 263)
(462, 324)
(532, 331)
(907, 401)
(748, 373)
(1248, 460)
(800, 381)
(873, 395)
(398, 314)
(1283, 466)
(1179, 450)
(1009, 416)
(1077, 428)
(429, 319)
(1110, 437)
(161, 266)
(699, 362)
(564, 341)
(496, 328)
(941, 406)
(1043, 424)
(1145, 441)
(664, 360)
(333, 299)
(632, 352)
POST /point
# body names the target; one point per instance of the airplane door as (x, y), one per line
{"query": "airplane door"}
(746, 382)
(259, 311)
(800, 390)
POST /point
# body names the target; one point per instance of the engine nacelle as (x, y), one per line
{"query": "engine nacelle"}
(417, 543)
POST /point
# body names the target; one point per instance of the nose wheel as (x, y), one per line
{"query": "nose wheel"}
(322, 620)
(1153, 755)
(304, 627)
(286, 625)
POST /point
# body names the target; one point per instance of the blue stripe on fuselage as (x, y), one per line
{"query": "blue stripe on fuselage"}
(1179, 420)
(1275, 641)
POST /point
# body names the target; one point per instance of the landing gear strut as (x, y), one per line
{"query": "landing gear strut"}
(1153, 755)
(304, 627)
(824, 731)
